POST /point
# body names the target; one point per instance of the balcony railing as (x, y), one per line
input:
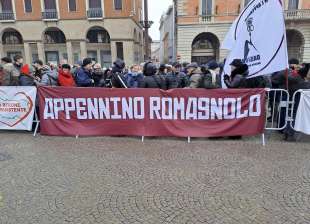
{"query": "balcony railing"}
(94, 13)
(7, 16)
(50, 14)
(297, 14)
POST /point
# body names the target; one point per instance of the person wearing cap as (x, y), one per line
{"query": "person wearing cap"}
(84, 74)
(194, 73)
(26, 77)
(65, 77)
(176, 78)
(239, 72)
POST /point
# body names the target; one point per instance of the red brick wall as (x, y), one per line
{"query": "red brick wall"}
(22, 15)
(80, 12)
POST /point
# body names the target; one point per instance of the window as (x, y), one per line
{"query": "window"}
(94, 4)
(12, 37)
(72, 5)
(118, 4)
(92, 55)
(28, 5)
(206, 7)
(119, 50)
(293, 4)
(54, 37)
(50, 4)
(6, 6)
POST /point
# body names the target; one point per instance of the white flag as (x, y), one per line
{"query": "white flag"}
(258, 38)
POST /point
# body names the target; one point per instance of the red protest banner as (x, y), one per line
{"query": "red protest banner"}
(151, 112)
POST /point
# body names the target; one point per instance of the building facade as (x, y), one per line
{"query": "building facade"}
(167, 36)
(203, 24)
(56, 30)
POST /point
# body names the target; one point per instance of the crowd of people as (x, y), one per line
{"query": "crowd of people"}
(87, 73)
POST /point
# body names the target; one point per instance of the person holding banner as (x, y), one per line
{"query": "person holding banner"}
(237, 78)
(84, 74)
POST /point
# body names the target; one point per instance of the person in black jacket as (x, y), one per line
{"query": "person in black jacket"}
(176, 78)
(239, 72)
(151, 79)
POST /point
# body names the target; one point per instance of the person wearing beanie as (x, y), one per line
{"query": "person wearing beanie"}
(65, 77)
(176, 78)
(84, 74)
(194, 73)
(151, 78)
(239, 72)
(26, 78)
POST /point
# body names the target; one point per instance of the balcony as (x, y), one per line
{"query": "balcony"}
(7, 16)
(302, 14)
(95, 13)
(50, 14)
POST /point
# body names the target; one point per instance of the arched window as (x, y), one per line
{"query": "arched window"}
(54, 36)
(205, 47)
(12, 37)
(98, 35)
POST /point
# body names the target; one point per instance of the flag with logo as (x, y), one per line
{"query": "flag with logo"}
(258, 38)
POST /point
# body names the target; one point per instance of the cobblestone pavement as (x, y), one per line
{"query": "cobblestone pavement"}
(121, 180)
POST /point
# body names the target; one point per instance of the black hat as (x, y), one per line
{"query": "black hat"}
(39, 62)
(213, 65)
(192, 65)
(176, 65)
(119, 63)
(87, 61)
(237, 63)
(149, 69)
(6, 60)
(293, 61)
(66, 66)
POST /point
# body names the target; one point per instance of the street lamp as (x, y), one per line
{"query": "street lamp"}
(146, 24)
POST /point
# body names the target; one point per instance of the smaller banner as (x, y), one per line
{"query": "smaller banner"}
(302, 121)
(151, 112)
(17, 105)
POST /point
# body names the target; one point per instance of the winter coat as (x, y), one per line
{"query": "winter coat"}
(176, 80)
(49, 77)
(98, 76)
(26, 78)
(10, 75)
(195, 77)
(154, 81)
(238, 77)
(133, 80)
(65, 79)
(210, 80)
(84, 78)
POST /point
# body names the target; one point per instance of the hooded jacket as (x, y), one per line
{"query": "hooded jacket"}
(65, 79)
(195, 77)
(49, 77)
(238, 77)
(25, 78)
(10, 75)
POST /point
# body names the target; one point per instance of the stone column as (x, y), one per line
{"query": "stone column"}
(129, 49)
(41, 53)
(83, 49)
(69, 52)
(27, 51)
(113, 51)
(1, 51)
